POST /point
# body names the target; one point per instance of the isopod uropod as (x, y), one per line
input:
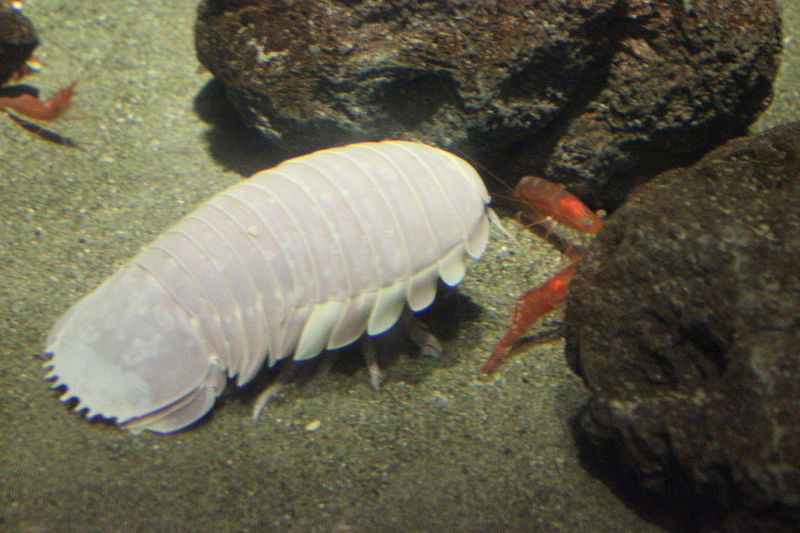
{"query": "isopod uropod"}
(306, 256)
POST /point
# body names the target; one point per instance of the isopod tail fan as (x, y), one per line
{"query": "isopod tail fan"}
(114, 351)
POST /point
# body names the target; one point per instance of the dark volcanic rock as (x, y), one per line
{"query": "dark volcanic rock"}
(587, 92)
(17, 40)
(684, 321)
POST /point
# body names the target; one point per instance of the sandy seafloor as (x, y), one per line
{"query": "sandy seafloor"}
(440, 448)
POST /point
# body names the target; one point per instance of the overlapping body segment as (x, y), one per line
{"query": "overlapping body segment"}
(302, 257)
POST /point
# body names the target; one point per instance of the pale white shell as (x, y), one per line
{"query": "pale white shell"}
(302, 257)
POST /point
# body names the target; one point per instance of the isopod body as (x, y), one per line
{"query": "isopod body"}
(306, 256)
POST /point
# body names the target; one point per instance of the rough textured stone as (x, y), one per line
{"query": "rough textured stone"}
(591, 93)
(17, 40)
(684, 321)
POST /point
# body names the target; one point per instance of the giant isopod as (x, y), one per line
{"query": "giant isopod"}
(306, 256)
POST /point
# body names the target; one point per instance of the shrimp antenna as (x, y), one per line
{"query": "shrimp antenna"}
(497, 223)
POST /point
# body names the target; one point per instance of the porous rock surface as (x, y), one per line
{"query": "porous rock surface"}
(587, 92)
(684, 321)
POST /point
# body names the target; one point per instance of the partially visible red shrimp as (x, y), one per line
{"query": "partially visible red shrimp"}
(539, 197)
(19, 101)
(30, 106)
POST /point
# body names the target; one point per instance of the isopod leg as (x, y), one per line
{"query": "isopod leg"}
(421, 336)
(531, 306)
(370, 350)
(274, 388)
